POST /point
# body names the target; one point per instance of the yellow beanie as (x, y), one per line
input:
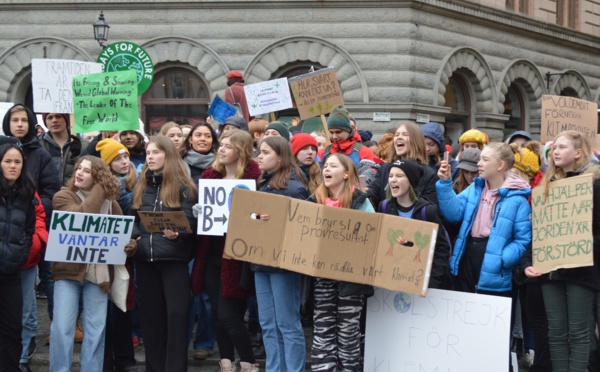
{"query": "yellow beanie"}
(527, 162)
(109, 149)
(472, 135)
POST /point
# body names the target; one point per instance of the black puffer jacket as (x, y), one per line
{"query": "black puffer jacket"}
(39, 162)
(64, 158)
(155, 246)
(17, 224)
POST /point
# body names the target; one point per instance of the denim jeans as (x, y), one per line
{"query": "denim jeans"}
(29, 310)
(569, 307)
(93, 322)
(278, 295)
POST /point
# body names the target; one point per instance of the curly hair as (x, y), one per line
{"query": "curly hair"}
(101, 175)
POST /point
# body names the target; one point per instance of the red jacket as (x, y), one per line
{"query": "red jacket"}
(239, 96)
(231, 270)
(345, 147)
(40, 236)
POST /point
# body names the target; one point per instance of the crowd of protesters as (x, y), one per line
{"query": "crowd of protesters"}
(478, 192)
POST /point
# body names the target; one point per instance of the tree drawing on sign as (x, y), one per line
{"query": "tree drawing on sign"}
(422, 241)
(393, 236)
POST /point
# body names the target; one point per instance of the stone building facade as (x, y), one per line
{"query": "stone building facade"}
(466, 64)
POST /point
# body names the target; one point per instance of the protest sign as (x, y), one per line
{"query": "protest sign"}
(560, 113)
(156, 222)
(220, 110)
(562, 225)
(316, 93)
(52, 80)
(215, 198)
(88, 238)
(441, 332)
(106, 101)
(334, 243)
(127, 56)
(4, 107)
(268, 96)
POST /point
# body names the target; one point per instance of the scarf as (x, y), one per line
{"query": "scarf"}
(198, 160)
(97, 273)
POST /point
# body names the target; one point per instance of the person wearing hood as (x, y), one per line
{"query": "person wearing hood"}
(64, 147)
(519, 137)
(402, 201)
(436, 148)
(19, 122)
(344, 140)
(235, 122)
(495, 222)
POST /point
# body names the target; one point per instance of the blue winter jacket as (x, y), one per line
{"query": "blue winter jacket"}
(509, 236)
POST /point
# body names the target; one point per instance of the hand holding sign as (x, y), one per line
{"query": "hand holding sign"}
(444, 171)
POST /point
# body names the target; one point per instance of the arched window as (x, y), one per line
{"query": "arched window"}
(569, 92)
(457, 97)
(176, 94)
(515, 109)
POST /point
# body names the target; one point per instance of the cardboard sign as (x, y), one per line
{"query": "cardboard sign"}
(268, 96)
(334, 243)
(52, 81)
(562, 225)
(316, 93)
(88, 238)
(561, 113)
(127, 56)
(221, 110)
(215, 198)
(106, 101)
(445, 331)
(156, 222)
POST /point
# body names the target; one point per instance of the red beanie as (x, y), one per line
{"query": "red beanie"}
(234, 74)
(301, 140)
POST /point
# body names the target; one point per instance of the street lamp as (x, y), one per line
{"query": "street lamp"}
(101, 30)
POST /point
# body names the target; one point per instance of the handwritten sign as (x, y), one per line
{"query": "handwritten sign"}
(316, 93)
(441, 332)
(561, 113)
(268, 96)
(221, 110)
(52, 83)
(106, 101)
(562, 225)
(334, 243)
(156, 222)
(215, 198)
(88, 238)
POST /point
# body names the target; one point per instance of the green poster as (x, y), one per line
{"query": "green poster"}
(106, 101)
(125, 55)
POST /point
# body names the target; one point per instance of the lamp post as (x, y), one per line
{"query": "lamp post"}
(101, 30)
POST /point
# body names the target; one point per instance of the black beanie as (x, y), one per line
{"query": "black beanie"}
(411, 169)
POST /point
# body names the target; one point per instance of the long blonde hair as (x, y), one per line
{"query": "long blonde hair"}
(242, 142)
(556, 173)
(350, 184)
(174, 177)
(416, 144)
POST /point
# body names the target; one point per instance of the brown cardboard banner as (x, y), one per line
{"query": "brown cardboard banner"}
(156, 222)
(562, 225)
(316, 93)
(560, 113)
(334, 243)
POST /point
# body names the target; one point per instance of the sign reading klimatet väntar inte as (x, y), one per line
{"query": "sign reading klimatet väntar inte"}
(122, 56)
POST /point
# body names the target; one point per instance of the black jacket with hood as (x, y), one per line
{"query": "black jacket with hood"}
(64, 158)
(39, 162)
(432, 130)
